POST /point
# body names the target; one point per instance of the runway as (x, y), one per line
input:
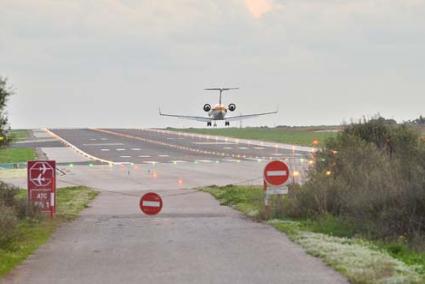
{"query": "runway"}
(152, 146)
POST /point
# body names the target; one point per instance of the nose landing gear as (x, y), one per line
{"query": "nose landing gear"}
(209, 123)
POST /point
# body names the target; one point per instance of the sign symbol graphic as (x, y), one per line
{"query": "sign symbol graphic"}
(41, 174)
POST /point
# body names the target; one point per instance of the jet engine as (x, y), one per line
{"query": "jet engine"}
(232, 107)
(207, 107)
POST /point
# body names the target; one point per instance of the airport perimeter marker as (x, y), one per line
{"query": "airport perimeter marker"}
(41, 179)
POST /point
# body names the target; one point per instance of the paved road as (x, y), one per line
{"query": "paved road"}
(194, 239)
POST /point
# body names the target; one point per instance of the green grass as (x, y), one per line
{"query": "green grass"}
(32, 234)
(288, 135)
(16, 155)
(19, 134)
(333, 240)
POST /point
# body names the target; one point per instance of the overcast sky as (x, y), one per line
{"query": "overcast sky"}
(108, 63)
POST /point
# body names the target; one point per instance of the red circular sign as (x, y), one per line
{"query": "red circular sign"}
(276, 173)
(150, 203)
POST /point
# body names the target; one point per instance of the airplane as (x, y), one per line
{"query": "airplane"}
(218, 112)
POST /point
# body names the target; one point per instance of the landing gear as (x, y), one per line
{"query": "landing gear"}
(227, 123)
(209, 123)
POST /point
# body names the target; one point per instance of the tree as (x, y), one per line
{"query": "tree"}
(4, 125)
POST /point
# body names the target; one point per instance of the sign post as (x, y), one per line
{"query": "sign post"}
(150, 203)
(42, 185)
(276, 174)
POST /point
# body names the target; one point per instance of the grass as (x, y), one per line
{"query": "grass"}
(19, 134)
(32, 234)
(16, 155)
(333, 240)
(287, 135)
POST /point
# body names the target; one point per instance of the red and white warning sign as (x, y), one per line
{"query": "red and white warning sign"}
(276, 173)
(151, 203)
(42, 185)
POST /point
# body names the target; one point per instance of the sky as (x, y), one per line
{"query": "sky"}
(106, 63)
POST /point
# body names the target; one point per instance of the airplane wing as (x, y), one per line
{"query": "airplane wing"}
(198, 118)
(240, 117)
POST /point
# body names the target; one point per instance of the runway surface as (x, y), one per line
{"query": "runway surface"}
(152, 146)
(193, 239)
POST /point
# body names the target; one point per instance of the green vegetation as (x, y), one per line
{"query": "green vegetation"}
(331, 238)
(16, 155)
(5, 92)
(19, 134)
(372, 175)
(288, 135)
(23, 230)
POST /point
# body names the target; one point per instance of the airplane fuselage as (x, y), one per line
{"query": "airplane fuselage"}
(218, 112)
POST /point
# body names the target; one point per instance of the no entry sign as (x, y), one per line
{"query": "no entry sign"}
(276, 173)
(151, 203)
(42, 185)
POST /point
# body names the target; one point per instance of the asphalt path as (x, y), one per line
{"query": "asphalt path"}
(192, 240)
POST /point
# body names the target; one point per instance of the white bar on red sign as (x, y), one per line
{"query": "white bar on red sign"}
(276, 173)
(52, 199)
(151, 203)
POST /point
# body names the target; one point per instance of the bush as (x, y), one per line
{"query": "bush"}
(7, 194)
(372, 174)
(8, 222)
(8, 197)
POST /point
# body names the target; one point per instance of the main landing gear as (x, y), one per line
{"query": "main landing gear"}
(227, 123)
(209, 123)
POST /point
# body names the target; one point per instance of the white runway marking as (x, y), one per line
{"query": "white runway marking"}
(178, 161)
(277, 154)
(150, 162)
(145, 156)
(213, 143)
(227, 148)
(175, 138)
(204, 161)
(120, 149)
(105, 150)
(135, 149)
(92, 139)
(103, 144)
(259, 148)
(125, 156)
(232, 160)
(104, 139)
(243, 148)
(163, 156)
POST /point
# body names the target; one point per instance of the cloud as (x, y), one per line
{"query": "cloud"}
(258, 8)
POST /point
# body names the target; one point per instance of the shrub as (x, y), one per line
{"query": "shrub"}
(372, 174)
(8, 222)
(7, 194)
